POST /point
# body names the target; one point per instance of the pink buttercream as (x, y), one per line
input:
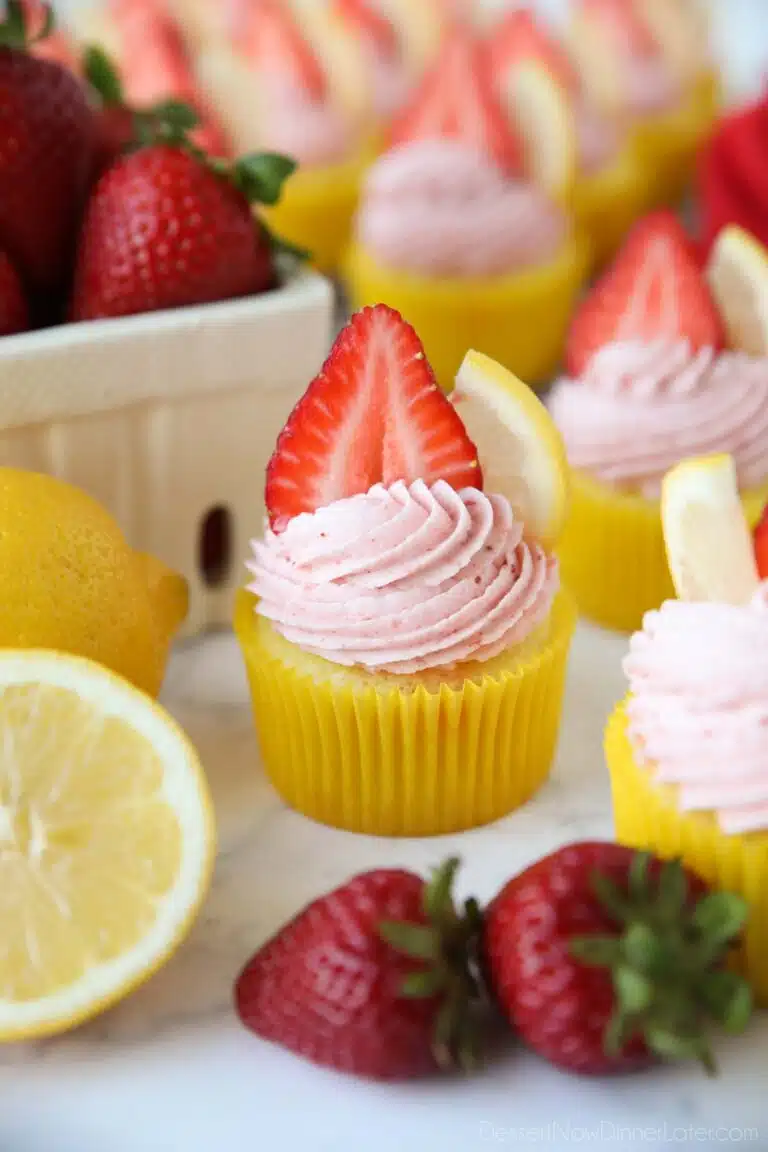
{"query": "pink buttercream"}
(650, 86)
(391, 82)
(641, 408)
(698, 709)
(405, 578)
(313, 132)
(598, 139)
(439, 207)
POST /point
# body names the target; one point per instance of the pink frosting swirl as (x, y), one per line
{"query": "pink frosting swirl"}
(598, 139)
(439, 207)
(314, 132)
(641, 408)
(698, 713)
(404, 578)
(649, 85)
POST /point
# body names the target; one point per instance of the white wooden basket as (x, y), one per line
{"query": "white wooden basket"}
(169, 420)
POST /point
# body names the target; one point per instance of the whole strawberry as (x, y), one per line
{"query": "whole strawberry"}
(371, 979)
(46, 142)
(604, 959)
(166, 227)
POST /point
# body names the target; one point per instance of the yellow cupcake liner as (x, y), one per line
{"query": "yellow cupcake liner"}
(667, 145)
(317, 207)
(521, 319)
(612, 555)
(607, 203)
(406, 756)
(646, 817)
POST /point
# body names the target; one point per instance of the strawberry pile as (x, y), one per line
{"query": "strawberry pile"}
(108, 212)
(602, 960)
(655, 289)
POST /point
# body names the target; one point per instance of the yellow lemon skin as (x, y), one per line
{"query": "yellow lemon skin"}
(69, 581)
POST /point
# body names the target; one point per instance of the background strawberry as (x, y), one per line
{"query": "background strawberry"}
(14, 311)
(654, 289)
(733, 174)
(47, 135)
(166, 228)
(373, 414)
(761, 545)
(370, 979)
(604, 959)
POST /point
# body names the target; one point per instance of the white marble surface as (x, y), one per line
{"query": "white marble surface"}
(171, 1071)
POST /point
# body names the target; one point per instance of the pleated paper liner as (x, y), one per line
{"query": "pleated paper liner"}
(406, 756)
(606, 203)
(647, 817)
(520, 319)
(612, 555)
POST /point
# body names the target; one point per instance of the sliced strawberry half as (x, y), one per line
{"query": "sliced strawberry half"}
(654, 289)
(273, 42)
(457, 99)
(761, 546)
(519, 37)
(370, 24)
(373, 414)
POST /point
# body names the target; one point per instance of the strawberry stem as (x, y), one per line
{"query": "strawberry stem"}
(668, 962)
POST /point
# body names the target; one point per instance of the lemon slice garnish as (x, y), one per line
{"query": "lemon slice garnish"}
(738, 277)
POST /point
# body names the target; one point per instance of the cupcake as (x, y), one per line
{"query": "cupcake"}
(449, 232)
(630, 57)
(733, 175)
(687, 751)
(648, 387)
(404, 634)
(574, 150)
(273, 92)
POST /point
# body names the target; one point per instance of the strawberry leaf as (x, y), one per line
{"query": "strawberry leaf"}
(260, 176)
(102, 76)
(720, 916)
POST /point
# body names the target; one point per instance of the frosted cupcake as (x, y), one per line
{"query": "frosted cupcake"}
(404, 636)
(687, 750)
(574, 150)
(451, 234)
(635, 406)
(286, 101)
(629, 58)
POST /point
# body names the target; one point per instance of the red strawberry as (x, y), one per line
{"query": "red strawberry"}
(761, 545)
(654, 289)
(604, 959)
(519, 36)
(370, 979)
(370, 23)
(46, 143)
(456, 98)
(733, 175)
(373, 414)
(274, 42)
(14, 312)
(165, 230)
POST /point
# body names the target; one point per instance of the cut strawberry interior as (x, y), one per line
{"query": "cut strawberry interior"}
(373, 414)
(655, 289)
(761, 545)
(456, 99)
(519, 37)
(369, 23)
(273, 41)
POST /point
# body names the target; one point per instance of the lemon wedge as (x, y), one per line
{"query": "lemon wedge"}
(541, 111)
(106, 840)
(520, 448)
(738, 278)
(709, 545)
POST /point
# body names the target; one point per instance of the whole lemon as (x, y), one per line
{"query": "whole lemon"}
(69, 581)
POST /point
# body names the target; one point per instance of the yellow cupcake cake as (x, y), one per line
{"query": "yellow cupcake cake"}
(687, 751)
(647, 387)
(647, 62)
(404, 634)
(450, 234)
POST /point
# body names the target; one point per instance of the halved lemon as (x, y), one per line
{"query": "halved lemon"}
(738, 277)
(541, 110)
(709, 545)
(106, 840)
(520, 448)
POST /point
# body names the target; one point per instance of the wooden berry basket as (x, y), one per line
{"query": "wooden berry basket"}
(169, 420)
